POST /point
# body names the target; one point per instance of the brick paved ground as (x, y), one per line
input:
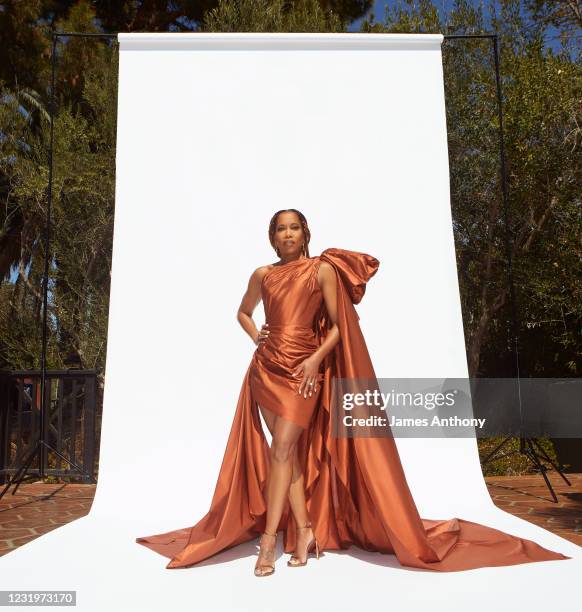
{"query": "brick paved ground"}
(38, 508)
(529, 498)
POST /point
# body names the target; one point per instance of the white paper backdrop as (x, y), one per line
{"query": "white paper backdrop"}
(215, 133)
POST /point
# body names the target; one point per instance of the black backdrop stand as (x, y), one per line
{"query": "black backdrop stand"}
(41, 445)
(527, 446)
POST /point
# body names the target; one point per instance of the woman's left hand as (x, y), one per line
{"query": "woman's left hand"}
(309, 369)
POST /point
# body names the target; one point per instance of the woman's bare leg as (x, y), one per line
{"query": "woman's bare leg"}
(297, 493)
(285, 437)
(299, 509)
(266, 557)
(297, 487)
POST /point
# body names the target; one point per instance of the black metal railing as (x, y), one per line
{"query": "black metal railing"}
(70, 421)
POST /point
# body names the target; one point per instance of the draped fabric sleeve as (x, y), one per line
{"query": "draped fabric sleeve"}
(354, 269)
(350, 358)
(356, 489)
(345, 478)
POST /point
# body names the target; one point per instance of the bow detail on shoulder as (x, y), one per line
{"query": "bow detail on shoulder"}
(355, 269)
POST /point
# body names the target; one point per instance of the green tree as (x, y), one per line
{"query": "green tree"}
(542, 118)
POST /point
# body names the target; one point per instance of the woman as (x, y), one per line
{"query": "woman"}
(324, 491)
(286, 374)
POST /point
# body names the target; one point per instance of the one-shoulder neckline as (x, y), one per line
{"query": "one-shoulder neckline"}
(277, 267)
(292, 261)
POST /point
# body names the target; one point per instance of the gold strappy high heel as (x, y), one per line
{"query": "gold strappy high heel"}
(266, 569)
(295, 561)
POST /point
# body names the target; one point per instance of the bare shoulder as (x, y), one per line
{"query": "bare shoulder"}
(260, 272)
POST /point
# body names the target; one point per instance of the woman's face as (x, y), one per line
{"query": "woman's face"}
(288, 236)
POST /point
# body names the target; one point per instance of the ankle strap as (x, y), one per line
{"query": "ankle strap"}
(305, 526)
(269, 534)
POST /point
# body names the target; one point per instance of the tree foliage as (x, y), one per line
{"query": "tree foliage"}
(542, 119)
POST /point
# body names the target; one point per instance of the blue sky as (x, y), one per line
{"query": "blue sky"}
(446, 5)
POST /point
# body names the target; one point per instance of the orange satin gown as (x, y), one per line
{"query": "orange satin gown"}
(291, 298)
(356, 490)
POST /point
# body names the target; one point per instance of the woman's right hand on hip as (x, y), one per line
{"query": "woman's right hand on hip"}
(262, 335)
